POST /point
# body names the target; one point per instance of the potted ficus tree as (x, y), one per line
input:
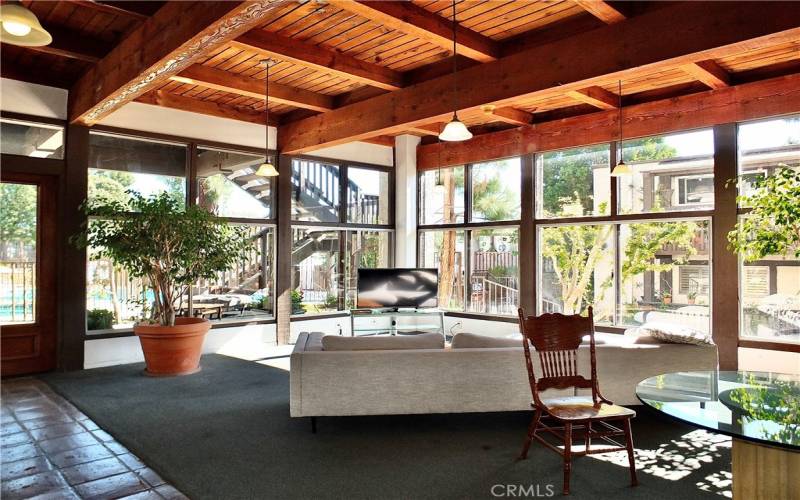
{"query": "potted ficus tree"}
(170, 248)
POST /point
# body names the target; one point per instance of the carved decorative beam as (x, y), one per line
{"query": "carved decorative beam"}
(162, 46)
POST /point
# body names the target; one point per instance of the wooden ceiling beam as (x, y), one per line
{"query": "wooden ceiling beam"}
(508, 115)
(134, 10)
(72, 45)
(162, 46)
(433, 129)
(169, 100)
(595, 96)
(381, 140)
(319, 58)
(412, 19)
(708, 72)
(217, 79)
(749, 101)
(698, 31)
(601, 10)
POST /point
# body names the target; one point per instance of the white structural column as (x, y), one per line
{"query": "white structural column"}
(405, 151)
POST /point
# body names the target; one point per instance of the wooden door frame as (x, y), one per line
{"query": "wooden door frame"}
(46, 271)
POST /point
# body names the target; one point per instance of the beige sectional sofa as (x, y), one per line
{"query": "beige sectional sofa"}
(465, 377)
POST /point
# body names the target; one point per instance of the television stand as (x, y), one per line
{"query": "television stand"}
(394, 320)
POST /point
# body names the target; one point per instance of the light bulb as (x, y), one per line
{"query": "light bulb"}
(16, 29)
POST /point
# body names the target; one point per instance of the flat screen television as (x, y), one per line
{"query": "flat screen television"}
(394, 288)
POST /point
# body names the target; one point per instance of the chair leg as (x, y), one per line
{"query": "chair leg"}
(631, 457)
(531, 431)
(567, 455)
(588, 435)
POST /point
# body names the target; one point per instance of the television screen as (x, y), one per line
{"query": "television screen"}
(397, 288)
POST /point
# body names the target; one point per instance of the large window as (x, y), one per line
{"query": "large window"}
(441, 196)
(119, 164)
(37, 140)
(576, 269)
(226, 185)
(573, 183)
(670, 173)
(477, 255)
(367, 196)
(331, 240)
(654, 271)
(495, 190)
(445, 251)
(315, 191)
(769, 288)
(494, 271)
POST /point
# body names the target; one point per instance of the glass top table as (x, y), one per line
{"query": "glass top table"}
(758, 407)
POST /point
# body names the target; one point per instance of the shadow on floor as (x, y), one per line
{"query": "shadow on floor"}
(226, 433)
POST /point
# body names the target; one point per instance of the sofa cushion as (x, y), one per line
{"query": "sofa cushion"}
(674, 333)
(466, 340)
(383, 342)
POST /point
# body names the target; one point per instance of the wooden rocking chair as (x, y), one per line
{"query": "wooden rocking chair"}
(556, 338)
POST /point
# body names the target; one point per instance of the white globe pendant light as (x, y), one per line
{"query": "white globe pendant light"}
(455, 130)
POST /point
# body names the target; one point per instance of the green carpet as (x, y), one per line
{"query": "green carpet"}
(226, 433)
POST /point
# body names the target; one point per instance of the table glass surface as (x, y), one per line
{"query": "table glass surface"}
(753, 406)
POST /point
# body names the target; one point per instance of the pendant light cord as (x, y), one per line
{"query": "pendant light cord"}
(266, 105)
(455, 62)
(620, 159)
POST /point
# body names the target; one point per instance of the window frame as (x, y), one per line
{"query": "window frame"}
(342, 226)
(192, 146)
(468, 226)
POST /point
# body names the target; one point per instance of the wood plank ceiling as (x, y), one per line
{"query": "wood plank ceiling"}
(333, 53)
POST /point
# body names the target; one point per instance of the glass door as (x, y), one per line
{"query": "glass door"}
(27, 274)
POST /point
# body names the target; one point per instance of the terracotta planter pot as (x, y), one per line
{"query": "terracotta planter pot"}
(173, 350)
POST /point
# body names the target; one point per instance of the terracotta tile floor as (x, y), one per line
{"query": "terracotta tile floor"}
(50, 450)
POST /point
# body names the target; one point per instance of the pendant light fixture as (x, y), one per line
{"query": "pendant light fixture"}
(621, 168)
(19, 26)
(455, 130)
(267, 169)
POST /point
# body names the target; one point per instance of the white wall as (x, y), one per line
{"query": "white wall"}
(33, 99)
(246, 342)
(150, 118)
(406, 200)
(358, 151)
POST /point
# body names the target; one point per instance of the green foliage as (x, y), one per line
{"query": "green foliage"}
(99, 319)
(18, 220)
(110, 185)
(648, 238)
(158, 239)
(773, 225)
(568, 176)
(297, 302)
(491, 196)
(575, 252)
